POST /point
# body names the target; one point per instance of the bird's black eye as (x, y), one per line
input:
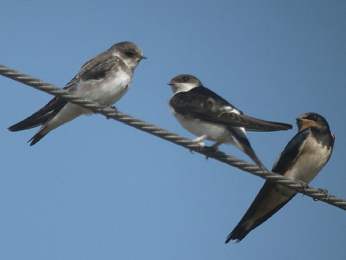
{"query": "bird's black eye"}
(130, 54)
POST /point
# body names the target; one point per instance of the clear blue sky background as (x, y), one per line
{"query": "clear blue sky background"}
(97, 189)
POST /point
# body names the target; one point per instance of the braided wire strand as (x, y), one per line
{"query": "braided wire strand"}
(112, 113)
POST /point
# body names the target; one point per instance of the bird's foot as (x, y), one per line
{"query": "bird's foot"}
(303, 184)
(199, 141)
(211, 149)
(200, 145)
(325, 191)
(115, 109)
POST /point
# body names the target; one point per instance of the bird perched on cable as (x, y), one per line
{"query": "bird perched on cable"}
(209, 116)
(302, 159)
(103, 79)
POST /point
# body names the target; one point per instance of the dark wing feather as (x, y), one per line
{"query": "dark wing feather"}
(246, 146)
(206, 105)
(97, 68)
(291, 152)
(259, 125)
(268, 201)
(41, 116)
(92, 70)
(200, 101)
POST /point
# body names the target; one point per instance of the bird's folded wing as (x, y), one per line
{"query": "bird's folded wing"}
(255, 124)
(291, 153)
(96, 68)
(41, 116)
(206, 105)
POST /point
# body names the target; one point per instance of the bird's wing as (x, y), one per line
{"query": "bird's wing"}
(291, 152)
(243, 143)
(41, 116)
(269, 200)
(206, 105)
(96, 68)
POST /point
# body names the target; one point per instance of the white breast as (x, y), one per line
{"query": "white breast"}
(197, 127)
(313, 158)
(105, 91)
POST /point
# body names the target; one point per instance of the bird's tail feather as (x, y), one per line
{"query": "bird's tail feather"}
(41, 116)
(251, 153)
(260, 125)
(38, 136)
(238, 233)
(267, 202)
(30, 122)
(247, 148)
(243, 143)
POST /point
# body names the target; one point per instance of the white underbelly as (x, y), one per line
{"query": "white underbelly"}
(105, 92)
(309, 164)
(214, 132)
(67, 113)
(307, 167)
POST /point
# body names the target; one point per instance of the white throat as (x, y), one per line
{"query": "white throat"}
(183, 87)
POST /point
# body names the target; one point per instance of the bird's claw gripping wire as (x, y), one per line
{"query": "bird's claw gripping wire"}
(324, 191)
(115, 110)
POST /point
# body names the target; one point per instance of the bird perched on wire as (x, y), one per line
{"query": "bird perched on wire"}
(103, 79)
(302, 159)
(210, 117)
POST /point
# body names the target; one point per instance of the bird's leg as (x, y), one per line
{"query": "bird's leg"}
(323, 191)
(304, 186)
(213, 149)
(216, 146)
(199, 140)
(113, 107)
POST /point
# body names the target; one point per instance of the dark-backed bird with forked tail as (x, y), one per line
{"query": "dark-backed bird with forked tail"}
(211, 117)
(302, 159)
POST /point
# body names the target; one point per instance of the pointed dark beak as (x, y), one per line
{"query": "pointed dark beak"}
(170, 84)
(144, 58)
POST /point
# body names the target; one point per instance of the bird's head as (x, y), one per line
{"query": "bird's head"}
(129, 52)
(312, 120)
(184, 83)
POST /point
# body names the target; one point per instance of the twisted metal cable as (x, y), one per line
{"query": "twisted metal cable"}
(112, 113)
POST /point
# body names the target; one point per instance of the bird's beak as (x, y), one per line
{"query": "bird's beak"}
(170, 84)
(143, 58)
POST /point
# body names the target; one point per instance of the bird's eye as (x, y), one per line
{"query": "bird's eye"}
(130, 54)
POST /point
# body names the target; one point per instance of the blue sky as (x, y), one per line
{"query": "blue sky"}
(97, 189)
